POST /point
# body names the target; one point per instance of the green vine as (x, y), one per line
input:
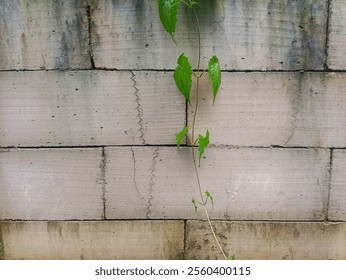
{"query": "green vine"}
(168, 11)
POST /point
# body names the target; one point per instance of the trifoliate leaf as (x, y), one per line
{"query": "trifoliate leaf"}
(203, 143)
(194, 204)
(207, 194)
(214, 75)
(183, 76)
(168, 11)
(181, 135)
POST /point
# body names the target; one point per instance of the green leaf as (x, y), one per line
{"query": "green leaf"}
(233, 257)
(203, 143)
(194, 204)
(214, 75)
(207, 194)
(183, 76)
(181, 135)
(168, 11)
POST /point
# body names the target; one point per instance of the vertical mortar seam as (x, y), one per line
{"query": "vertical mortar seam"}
(2, 246)
(92, 62)
(326, 47)
(330, 170)
(185, 240)
(103, 181)
(186, 118)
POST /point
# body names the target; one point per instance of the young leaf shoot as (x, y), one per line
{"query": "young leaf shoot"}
(214, 75)
(203, 143)
(208, 195)
(194, 204)
(180, 136)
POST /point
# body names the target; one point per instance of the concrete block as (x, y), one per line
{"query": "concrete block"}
(114, 240)
(51, 184)
(263, 35)
(246, 184)
(267, 240)
(337, 206)
(44, 35)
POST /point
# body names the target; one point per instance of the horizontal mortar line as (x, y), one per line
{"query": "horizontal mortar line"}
(221, 146)
(171, 70)
(175, 219)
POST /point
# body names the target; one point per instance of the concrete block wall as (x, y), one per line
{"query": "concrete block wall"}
(89, 112)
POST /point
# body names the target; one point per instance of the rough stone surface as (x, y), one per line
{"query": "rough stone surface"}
(267, 241)
(120, 240)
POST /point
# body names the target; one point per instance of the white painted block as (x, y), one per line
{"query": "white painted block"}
(337, 206)
(246, 184)
(51, 184)
(84, 108)
(263, 35)
(122, 240)
(44, 35)
(267, 240)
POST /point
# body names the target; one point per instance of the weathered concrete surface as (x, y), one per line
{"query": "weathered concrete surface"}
(337, 207)
(94, 240)
(116, 108)
(263, 109)
(263, 34)
(44, 34)
(264, 240)
(337, 35)
(84, 108)
(246, 184)
(1, 245)
(51, 184)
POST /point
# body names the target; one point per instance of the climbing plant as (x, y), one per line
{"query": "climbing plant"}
(183, 75)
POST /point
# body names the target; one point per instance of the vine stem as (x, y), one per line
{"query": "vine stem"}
(193, 139)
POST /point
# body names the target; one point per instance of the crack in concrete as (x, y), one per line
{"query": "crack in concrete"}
(138, 107)
(329, 176)
(135, 174)
(215, 24)
(326, 47)
(296, 109)
(103, 181)
(151, 182)
(92, 62)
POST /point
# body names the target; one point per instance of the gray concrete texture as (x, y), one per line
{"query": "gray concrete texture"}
(89, 112)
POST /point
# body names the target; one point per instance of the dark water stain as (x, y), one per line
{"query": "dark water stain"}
(9, 18)
(300, 22)
(54, 227)
(305, 51)
(78, 23)
(73, 31)
(62, 59)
